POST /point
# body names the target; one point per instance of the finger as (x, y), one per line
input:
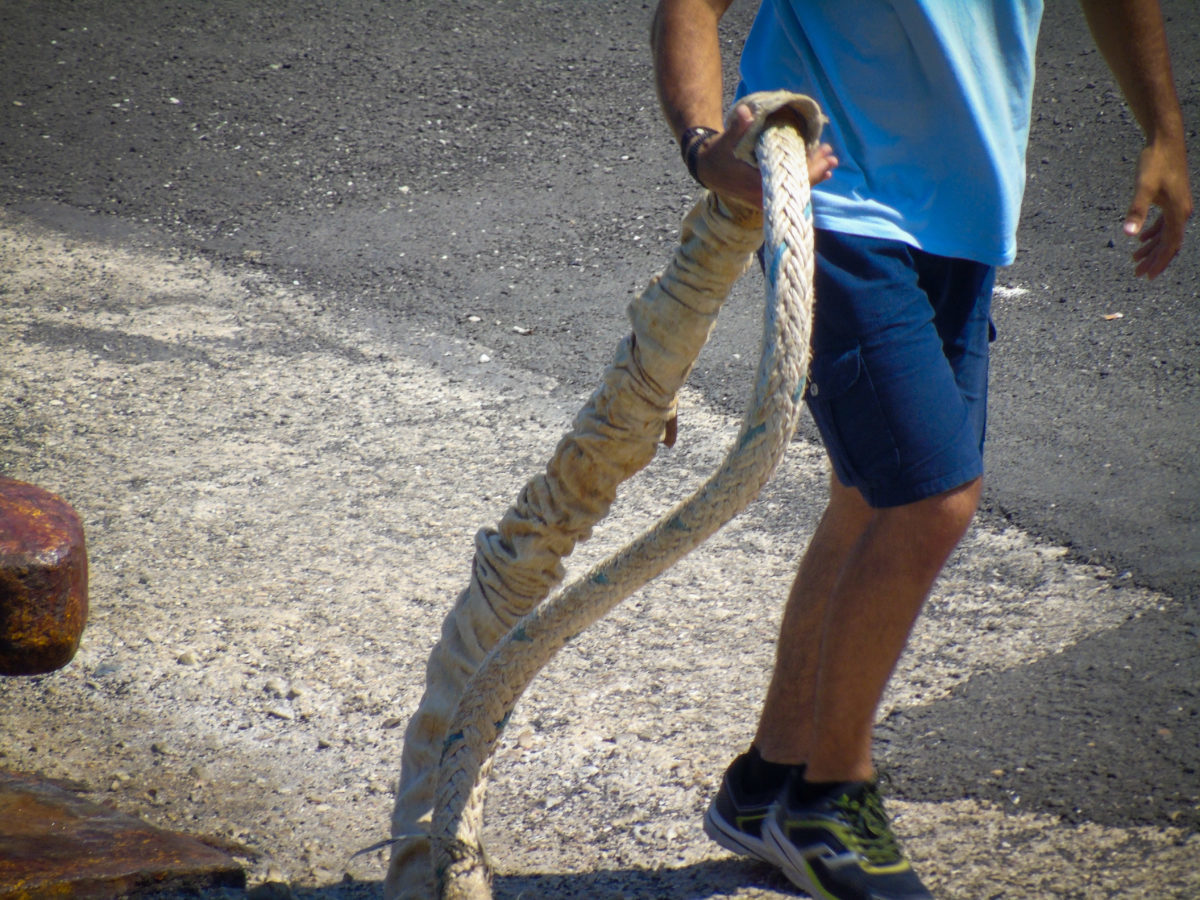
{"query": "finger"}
(1147, 262)
(1154, 230)
(819, 164)
(1165, 238)
(1139, 209)
(743, 118)
(1154, 264)
(1150, 239)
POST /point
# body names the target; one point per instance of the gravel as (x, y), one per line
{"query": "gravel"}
(279, 500)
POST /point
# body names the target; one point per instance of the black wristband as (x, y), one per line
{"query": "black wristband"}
(690, 143)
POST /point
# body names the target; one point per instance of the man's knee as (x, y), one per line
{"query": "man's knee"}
(931, 527)
(936, 524)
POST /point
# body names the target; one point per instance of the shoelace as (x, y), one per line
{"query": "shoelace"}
(869, 823)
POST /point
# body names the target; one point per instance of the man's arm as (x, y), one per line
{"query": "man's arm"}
(687, 70)
(1131, 36)
(688, 75)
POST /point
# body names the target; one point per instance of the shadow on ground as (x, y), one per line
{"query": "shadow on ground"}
(1106, 731)
(702, 881)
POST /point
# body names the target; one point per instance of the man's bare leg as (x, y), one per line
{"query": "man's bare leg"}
(785, 727)
(861, 585)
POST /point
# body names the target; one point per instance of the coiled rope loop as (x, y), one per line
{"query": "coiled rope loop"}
(462, 868)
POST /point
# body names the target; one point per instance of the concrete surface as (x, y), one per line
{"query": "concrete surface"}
(279, 502)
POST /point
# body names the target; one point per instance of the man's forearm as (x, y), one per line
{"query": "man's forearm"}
(1131, 36)
(687, 62)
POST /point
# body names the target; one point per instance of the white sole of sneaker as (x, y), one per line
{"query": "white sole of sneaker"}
(736, 841)
(791, 863)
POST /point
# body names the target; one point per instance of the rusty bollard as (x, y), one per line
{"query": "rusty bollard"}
(43, 580)
(52, 842)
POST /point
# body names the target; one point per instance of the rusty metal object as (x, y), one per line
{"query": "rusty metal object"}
(43, 580)
(54, 844)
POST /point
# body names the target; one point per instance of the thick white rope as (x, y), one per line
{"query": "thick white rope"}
(769, 423)
(518, 562)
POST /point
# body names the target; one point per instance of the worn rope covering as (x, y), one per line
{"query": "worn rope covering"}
(517, 564)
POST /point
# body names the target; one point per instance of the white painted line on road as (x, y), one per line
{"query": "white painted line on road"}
(1009, 291)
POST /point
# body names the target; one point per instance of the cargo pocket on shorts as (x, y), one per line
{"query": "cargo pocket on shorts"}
(846, 408)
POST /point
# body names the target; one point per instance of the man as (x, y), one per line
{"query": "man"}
(929, 103)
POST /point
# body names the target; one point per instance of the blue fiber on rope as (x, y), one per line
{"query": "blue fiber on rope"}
(799, 392)
(599, 578)
(753, 433)
(776, 262)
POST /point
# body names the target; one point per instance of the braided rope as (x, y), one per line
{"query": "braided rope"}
(767, 427)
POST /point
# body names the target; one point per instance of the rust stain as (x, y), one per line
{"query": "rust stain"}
(56, 844)
(43, 580)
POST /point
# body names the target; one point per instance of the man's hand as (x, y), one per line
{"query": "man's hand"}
(724, 174)
(687, 71)
(1162, 181)
(1131, 35)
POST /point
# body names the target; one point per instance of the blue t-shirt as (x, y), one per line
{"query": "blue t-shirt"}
(929, 105)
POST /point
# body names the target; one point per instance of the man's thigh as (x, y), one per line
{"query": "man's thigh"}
(899, 371)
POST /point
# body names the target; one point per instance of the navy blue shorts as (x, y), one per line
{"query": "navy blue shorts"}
(898, 384)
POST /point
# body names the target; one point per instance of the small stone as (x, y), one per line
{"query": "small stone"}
(160, 748)
(303, 707)
(199, 774)
(186, 658)
(276, 687)
(281, 712)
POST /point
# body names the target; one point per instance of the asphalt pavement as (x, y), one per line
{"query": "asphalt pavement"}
(476, 168)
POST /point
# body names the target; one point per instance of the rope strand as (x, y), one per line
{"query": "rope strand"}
(461, 865)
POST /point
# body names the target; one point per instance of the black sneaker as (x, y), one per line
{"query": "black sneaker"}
(840, 846)
(735, 817)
